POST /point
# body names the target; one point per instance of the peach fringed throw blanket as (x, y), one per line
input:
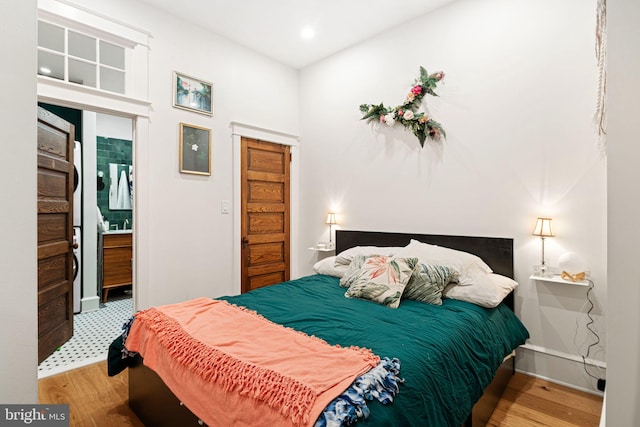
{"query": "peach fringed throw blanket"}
(231, 366)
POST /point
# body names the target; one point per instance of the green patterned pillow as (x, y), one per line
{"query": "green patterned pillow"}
(352, 271)
(428, 282)
(382, 279)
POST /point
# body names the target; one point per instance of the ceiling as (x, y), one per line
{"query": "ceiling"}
(273, 27)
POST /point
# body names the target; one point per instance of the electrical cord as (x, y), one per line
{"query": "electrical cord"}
(589, 327)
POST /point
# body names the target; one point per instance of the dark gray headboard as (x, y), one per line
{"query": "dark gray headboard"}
(497, 252)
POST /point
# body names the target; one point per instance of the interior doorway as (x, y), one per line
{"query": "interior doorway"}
(105, 194)
(265, 213)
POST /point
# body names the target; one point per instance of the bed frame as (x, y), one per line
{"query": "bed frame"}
(156, 405)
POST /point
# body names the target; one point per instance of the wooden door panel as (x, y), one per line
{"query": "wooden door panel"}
(262, 223)
(265, 213)
(51, 140)
(266, 253)
(55, 232)
(263, 191)
(261, 207)
(51, 271)
(256, 282)
(53, 227)
(52, 185)
(264, 160)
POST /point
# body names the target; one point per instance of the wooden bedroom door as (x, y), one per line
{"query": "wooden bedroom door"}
(265, 213)
(55, 232)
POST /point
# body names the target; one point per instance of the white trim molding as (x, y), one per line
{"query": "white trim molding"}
(238, 131)
(560, 367)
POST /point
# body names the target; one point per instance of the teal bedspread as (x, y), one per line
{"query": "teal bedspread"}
(448, 353)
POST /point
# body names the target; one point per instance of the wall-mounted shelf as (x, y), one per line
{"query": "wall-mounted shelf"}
(557, 279)
(313, 248)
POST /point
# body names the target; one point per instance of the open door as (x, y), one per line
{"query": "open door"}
(55, 232)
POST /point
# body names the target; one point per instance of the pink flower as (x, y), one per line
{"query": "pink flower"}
(400, 113)
(382, 118)
(437, 76)
(416, 90)
(408, 115)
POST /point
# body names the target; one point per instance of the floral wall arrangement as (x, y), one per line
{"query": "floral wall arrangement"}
(421, 124)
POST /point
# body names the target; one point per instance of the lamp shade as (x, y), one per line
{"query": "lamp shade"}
(331, 218)
(543, 228)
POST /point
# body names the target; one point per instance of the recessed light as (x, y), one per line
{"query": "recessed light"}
(307, 33)
(45, 70)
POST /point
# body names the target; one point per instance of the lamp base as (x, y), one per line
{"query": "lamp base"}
(542, 270)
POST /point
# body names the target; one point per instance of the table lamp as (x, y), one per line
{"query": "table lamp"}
(543, 230)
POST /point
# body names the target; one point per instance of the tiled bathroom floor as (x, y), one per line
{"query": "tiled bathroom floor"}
(92, 334)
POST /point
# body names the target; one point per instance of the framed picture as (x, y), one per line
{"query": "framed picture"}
(195, 149)
(192, 94)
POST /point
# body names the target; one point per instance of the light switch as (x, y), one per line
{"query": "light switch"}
(225, 206)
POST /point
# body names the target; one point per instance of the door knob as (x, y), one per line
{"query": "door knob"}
(73, 245)
(245, 242)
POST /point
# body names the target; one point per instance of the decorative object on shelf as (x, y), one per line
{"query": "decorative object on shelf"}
(543, 230)
(195, 149)
(331, 220)
(190, 93)
(573, 266)
(407, 114)
(578, 277)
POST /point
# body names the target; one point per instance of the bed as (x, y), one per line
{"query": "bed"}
(439, 390)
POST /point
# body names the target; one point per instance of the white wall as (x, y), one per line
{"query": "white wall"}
(623, 319)
(517, 103)
(18, 251)
(188, 247)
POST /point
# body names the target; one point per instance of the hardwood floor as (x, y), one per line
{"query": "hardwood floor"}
(530, 401)
(98, 400)
(95, 399)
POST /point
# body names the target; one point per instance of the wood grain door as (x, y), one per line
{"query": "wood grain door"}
(265, 213)
(55, 232)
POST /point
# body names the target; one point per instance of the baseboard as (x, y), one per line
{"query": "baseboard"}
(562, 383)
(563, 355)
(90, 304)
(560, 368)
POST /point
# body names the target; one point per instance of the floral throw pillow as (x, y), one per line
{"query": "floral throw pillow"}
(352, 271)
(382, 279)
(428, 282)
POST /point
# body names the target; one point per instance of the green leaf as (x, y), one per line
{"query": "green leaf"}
(423, 74)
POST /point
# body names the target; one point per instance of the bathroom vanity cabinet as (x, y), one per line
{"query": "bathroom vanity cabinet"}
(117, 255)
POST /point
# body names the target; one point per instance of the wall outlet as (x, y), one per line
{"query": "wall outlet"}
(225, 207)
(601, 384)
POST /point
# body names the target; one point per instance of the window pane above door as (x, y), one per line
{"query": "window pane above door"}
(111, 55)
(50, 65)
(82, 46)
(111, 80)
(50, 36)
(82, 73)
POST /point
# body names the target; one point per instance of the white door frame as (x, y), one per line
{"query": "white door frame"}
(135, 106)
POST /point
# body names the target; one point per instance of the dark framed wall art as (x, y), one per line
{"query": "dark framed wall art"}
(195, 149)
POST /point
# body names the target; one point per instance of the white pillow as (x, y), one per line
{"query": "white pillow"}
(488, 291)
(329, 267)
(467, 266)
(345, 257)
